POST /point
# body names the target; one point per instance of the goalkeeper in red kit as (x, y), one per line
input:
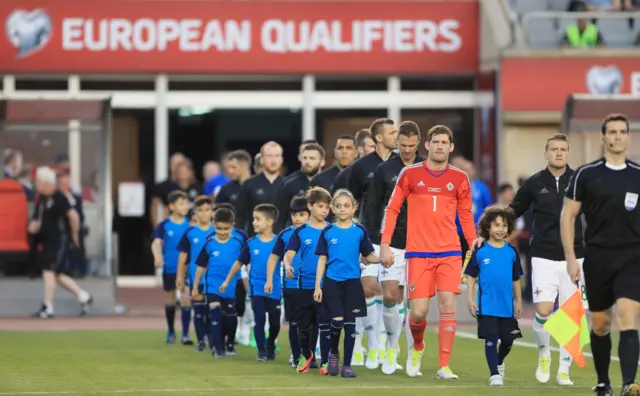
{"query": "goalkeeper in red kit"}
(435, 191)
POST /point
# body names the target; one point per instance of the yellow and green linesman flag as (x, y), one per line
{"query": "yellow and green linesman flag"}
(568, 325)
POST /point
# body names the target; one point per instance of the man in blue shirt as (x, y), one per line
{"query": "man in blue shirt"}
(165, 252)
(342, 296)
(496, 265)
(299, 215)
(217, 257)
(190, 247)
(304, 240)
(214, 178)
(256, 254)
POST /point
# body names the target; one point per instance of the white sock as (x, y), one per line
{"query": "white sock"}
(371, 323)
(359, 331)
(407, 329)
(565, 361)
(542, 335)
(392, 324)
(83, 296)
(382, 334)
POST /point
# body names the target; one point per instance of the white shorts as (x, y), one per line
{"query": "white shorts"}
(549, 279)
(395, 273)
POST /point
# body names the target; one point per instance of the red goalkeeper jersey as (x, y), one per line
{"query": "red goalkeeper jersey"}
(433, 199)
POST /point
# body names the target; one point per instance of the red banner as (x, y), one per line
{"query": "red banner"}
(534, 83)
(404, 37)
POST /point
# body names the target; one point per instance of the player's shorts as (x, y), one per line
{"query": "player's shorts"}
(55, 256)
(503, 328)
(227, 305)
(549, 279)
(372, 270)
(425, 276)
(241, 297)
(290, 298)
(611, 274)
(343, 299)
(168, 282)
(308, 312)
(269, 305)
(397, 272)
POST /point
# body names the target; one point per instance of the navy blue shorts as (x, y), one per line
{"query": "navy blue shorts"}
(308, 312)
(343, 299)
(227, 305)
(290, 303)
(168, 282)
(503, 328)
(269, 305)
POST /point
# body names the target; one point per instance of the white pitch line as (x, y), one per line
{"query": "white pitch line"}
(283, 389)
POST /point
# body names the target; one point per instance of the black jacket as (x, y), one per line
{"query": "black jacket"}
(326, 178)
(342, 180)
(229, 193)
(361, 177)
(295, 185)
(545, 196)
(379, 195)
(255, 190)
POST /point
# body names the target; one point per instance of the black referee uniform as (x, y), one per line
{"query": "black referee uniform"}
(609, 196)
(362, 175)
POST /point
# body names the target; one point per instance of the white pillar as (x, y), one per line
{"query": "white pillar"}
(8, 84)
(308, 109)
(162, 129)
(75, 138)
(393, 87)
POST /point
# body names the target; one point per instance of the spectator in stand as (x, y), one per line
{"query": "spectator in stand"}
(13, 165)
(506, 193)
(629, 5)
(583, 33)
(214, 178)
(600, 5)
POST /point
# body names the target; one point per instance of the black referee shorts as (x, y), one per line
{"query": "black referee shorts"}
(611, 274)
(54, 256)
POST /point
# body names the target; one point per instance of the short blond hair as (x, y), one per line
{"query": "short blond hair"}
(556, 137)
(270, 143)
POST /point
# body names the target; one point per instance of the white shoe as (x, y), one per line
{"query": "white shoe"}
(390, 363)
(446, 373)
(542, 372)
(413, 362)
(358, 358)
(399, 366)
(372, 361)
(496, 380)
(501, 369)
(563, 379)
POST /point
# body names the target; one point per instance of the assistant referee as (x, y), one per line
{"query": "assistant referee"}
(607, 191)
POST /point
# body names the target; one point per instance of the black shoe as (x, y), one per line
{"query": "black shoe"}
(217, 354)
(231, 350)
(262, 357)
(201, 346)
(630, 390)
(603, 390)
(43, 313)
(85, 307)
(271, 354)
(186, 341)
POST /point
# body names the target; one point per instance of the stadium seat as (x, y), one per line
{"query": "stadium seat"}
(542, 33)
(523, 7)
(616, 32)
(14, 215)
(559, 5)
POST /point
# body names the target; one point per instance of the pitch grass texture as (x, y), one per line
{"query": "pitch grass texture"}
(138, 363)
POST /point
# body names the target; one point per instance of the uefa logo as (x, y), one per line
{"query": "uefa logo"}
(28, 31)
(604, 80)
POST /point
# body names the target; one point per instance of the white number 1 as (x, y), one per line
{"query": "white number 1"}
(434, 203)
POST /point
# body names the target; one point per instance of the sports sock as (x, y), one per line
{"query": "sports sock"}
(349, 342)
(382, 334)
(371, 323)
(230, 325)
(417, 333)
(215, 334)
(294, 340)
(336, 330)
(392, 324)
(186, 321)
(305, 342)
(258, 331)
(446, 336)
(628, 351)
(542, 335)
(503, 351)
(324, 334)
(491, 353)
(170, 315)
(274, 329)
(407, 329)
(565, 361)
(359, 329)
(601, 350)
(199, 317)
(314, 341)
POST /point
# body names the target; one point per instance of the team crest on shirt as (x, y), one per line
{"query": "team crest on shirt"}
(170, 233)
(334, 241)
(256, 252)
(486, 261)
(233, 197)
(216, 253)
(449, 186)
(630, 201)
(196, 240)
(412, 287)
(260, 192)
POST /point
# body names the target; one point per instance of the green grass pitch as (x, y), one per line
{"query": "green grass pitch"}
(138, 363)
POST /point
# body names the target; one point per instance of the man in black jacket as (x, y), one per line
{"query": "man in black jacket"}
(364, 145)
(239, 166)
(393, 278)
(544, 192)
(345, 153)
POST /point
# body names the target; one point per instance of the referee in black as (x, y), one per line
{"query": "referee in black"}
(607, 191)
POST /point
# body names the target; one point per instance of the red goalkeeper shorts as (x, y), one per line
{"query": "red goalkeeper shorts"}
(425, 276)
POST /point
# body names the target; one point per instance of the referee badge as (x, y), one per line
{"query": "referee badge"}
(630, 201)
